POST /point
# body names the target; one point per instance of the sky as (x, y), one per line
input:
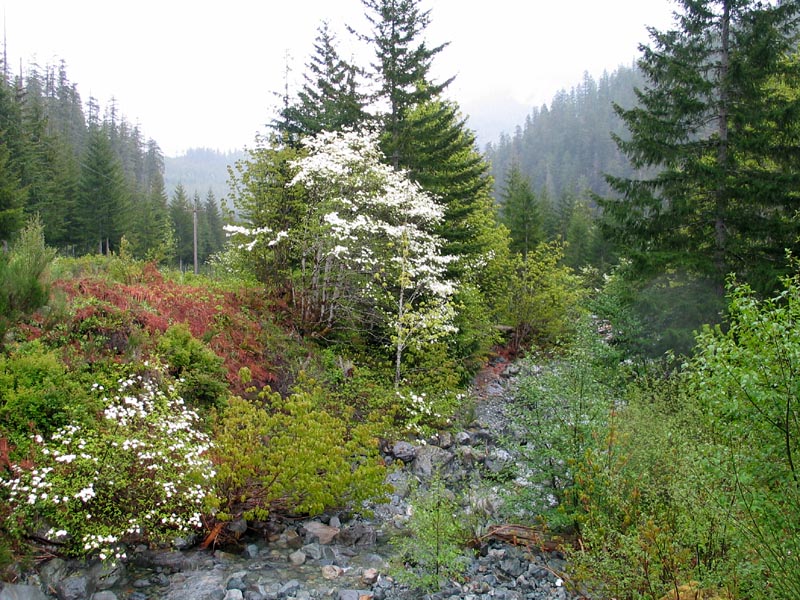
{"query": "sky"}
(200, 74)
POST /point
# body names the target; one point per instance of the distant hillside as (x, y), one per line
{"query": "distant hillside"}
(566, 147)
(199, 170)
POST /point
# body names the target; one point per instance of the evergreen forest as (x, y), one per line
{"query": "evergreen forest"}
(174, 360)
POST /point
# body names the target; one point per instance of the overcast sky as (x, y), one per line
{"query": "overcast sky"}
(203, 74)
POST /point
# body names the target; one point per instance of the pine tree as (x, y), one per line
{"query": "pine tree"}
(520, 212)
(102, 209)
(329, 99)
(180, 210)
(718, 121)
(402, 68)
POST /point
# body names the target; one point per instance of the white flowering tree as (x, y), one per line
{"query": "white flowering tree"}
(365, 249)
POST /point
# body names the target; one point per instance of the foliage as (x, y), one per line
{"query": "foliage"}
(746, 381)
(713, 126)
(138, 474)
(24, 277)
(39, 395)
(561, 403)
(433, 551)
(521, 212)
(199, 372)
(292, 456)
(364, 254)
(545, 297)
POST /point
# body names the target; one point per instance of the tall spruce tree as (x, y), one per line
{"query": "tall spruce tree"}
(329, 100)
(180, 210)
(718, 120)
(102, 210)
(402, 68)
(520, 212)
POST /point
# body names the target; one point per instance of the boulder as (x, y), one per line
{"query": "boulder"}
(430, 460)
(323, 533)
(9, 591)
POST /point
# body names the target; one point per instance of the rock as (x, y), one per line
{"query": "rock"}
(104, 595)
(234, 595)
(357, 535)
(10, 591)
(198, 586)
(463, 438)
(498, 460)
(236, 582)
(335, 522)
(369, 576)
(404, 451)
(250, 551)
(443, 439)
(52, 572)
(107, 575)
(237, 527)
(292, 539)
(331, 571)
(75, 587)
(297, 558)
(430, 460)
(355, 595)
(289, 588)
(313, 551)
(253, 595)
(323, 533)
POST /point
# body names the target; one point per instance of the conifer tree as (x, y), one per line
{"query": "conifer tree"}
(402, 68)
(717, 120)
(329, 99)
(180, 210)
(521, 212)
(102, 210)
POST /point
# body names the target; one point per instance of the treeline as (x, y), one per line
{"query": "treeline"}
(93, 179)
(549, 171)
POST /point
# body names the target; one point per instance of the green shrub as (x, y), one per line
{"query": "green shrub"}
(24, 281)
(545, 297)
(433, 552)
(746, 380)
(292, 456)
(139, 474)
(199, 371)
(38, 395)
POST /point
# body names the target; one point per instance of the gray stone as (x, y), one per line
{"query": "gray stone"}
(234, 595)
(335, 522)
(404, 451)
(236, 583)
(297, 558)
(107, 575)
(9, 591)
(312, 551)
(52, 572)
(430, 460)
(289, 588)
(198, 586)
(104, 595)
(357, 535)
(75, 587)
(237, 527)
(253, 595)
(251, 551)
(498, 460)
(292, 539)
(463, 438)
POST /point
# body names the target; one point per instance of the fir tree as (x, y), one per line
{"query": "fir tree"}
(521, 212)
(180, 211)
(329, 99)
(102, 210)
(402, 68)
(718, 120)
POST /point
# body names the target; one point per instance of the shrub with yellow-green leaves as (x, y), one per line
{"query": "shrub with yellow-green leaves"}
(291, 455)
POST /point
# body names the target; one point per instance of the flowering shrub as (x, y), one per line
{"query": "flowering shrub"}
(140, 473)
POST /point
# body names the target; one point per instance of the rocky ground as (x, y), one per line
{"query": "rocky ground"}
(337, 556)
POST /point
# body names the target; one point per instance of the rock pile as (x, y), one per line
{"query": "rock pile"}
(338, 556)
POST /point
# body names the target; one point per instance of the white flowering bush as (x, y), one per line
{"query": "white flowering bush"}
(365, 252)
(140, 474)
